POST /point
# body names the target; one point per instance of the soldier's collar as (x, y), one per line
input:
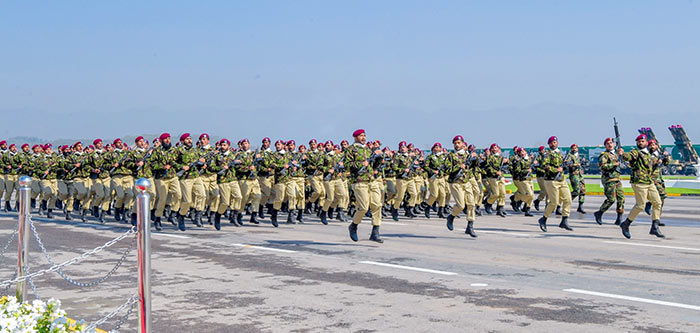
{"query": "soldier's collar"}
(461, 152)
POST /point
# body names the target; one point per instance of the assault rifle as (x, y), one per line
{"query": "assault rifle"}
(338, 167)
(145, 158)
(618, 144)
(565, 164)
(194, 163)
(126, 155)
(230, 164)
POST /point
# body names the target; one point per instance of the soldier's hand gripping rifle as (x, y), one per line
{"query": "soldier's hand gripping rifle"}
(618, 144)
(564, 165)
(195, 163)
(145, 158)
(338, 167)
(207, 162)
(230, 165)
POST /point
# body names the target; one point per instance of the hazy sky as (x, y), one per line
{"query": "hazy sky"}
(512, 72)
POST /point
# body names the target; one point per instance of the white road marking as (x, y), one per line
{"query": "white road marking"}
(506, 233)
(651, 245)
(408, 268)
(479, 285)
(635, 299)
(168, 235)
(393, 223)
(248, 246)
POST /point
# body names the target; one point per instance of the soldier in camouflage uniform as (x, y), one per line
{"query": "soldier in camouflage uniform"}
(188, 161)
(642, 165)
(332, 169)
(207, 180)
(435, 167)
(539, 174)
(405, 164)
(575, 169)
(266, 177)
(165, 166)
(100, 191)
(141, 168)
(609, 165)
(555, 182)
(224, 167)
(314, 175)
(48, 168)
(76, 178)
(122, 183)
(367, 192)
(246, 172)
(3, 170)
(521, 171)
(659, 159)
(496, 182)
(11, 174)
(299, 177)
(285, 187)
(459, 168)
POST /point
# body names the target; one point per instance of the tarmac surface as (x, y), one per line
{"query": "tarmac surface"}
(313, 278)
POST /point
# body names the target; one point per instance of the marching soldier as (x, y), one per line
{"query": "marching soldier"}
(554, 181)
(266, 177)
(314, 174)
(141, 168)
(207, 180)
(48, 168)
(642, 165)
(75, 182)
(3, 169)
(404, 165)
(664, 159)
(165, 167)
(367, 193)
(100, 191)
(188, 158)
(610, 178)
(333, 167)
(229, 189)
(435, 167)
(459, 167)
(496, 182)
(122, 183)
(246, 172)
(520, 169)
(283, 165)
(299, 177)
(575, 169)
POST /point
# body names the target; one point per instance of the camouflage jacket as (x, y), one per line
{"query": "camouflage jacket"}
(607, 161)
(520, 168)
(658, 160)
(381, 163)
(493, 165)
(539, 160)
(123, 158)
(162, 157)
(331, 161)
(219, 166)
(264, 167)
(641, 163)
(453, 167)
(402, 166)
(188, 156)
(435, 165)
(82, 171)
(281, 167)
(248, 159)
(141, 155)
(355, 157)
(50, 163)
(96, 161)
(210, 155)
(573, 164)
(300, 164)
(552, 161)
(314, 163)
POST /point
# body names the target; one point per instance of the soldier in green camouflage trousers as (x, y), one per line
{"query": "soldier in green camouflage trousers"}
(575, 169)
(610, 178)
(642, 165)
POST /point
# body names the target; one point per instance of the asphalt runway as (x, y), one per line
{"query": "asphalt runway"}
(424, 278)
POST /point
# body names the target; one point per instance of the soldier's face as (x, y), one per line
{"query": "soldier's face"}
(119, 145)
(266, 144)
(574, 149)
(205, 141)
(361, 139)
(187, 142)
(329, 147)
(245, 145)
(302, 149)
(98, 145)
(3, 146)
(36, 150)
(48, 151)
(225, 146)
(13, 149)
(141, 143)
(642, 143)
(458, 144)
(291, 147)
(78, 147)
(279, 146)
(653, 146)
(25, 149)
(156, 143)
(609, 145)
(312, 146)
(554, 144)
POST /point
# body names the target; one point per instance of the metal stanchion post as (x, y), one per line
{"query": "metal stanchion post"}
(23, 236)
(143, 210)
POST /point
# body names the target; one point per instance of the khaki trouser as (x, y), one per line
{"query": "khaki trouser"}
(301, 193)
(334, 194)
(250, 190)
(525, 191)
(63, 193)
(422, 189)
(77, 191)
(318, 190)
(558, 194)
(10, 185)
(266, 185)
(286, 191)
(49, 191)
(497, 188)
(35, 187)
(487, 189)
(2, 185)
(189, 190)
(642, 194)
(436, 187)
(211, 193)
(345, 201)
(464, 198)
(167, 189)
(390, 190)
(403, 186)
(101, 192)
(368, 197)
(89, 200)
(230, 197)
(151, 190)
(543, 189)
(123, 186)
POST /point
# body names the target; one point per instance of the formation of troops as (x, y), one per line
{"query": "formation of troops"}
(203, 183)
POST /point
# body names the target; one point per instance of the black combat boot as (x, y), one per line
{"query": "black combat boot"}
(384, 213)
(198, 218)
(181, 222)
(153, 214)
(450, 222)
(619, 219)
(43, 206)
(514, 204)
(49, 213)
(95, 211)
(441, 212)
(543, 223)
(270, 208)
(598, 217)
(655, 229)
(477, 211)
(157, 224)
(647, 208)
(625, 226)
(324, 217)
(341, 215)
(330, 212)
(558, 211)
(300, 216)
(232, 217)
(470, 229)
(374, 236)
(352, 229)
(580, 208)
(290, 217)
(253, 218)
(394, 214)
(565, 223)
(68, 216)
(488, 208)
(133, 219)
(536, 203)
(500, 212)
(7, 207)
(239, 219)
(307, 209)
(261, 213)
(217, 221)
(117, 214)
(427, 213)
(526, 210)
(273, 218)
